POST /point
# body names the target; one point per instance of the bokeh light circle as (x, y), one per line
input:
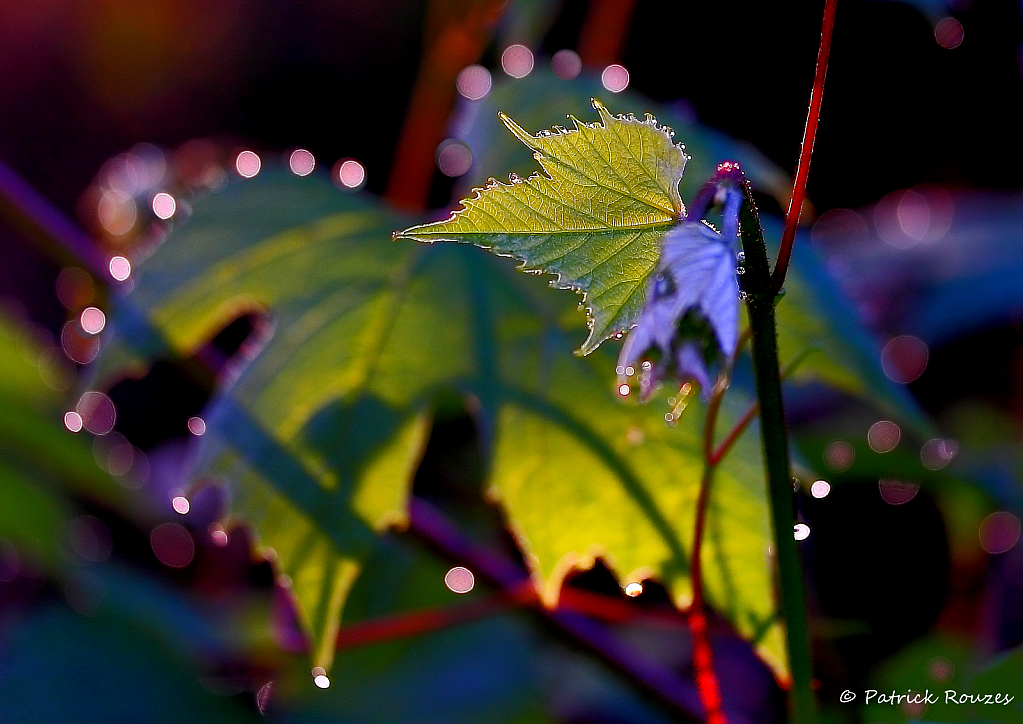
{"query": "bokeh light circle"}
(247, 164)
(883, 436)
(474, 82)
(566, 64)
(517, 61)
(459, 580)
(615, 78)
(301, 162)
(999, 532)
(172, 545)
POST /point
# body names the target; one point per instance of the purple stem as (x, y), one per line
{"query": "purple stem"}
(30, 212)
(680, 696)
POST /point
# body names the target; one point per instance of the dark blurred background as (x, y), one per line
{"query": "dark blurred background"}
(83, 81)
(924, 96)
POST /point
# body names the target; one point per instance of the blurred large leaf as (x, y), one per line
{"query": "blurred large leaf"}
(594, 217)
(134, 657)
(480, 672)
(39, 459)
(322, 432)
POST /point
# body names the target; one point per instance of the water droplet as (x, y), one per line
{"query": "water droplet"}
(301, 162)
(218, 535)
(120, 268)
(566, 64)
(633, 589)
(164, 205)
(740, 257)
(90, 537)
(839, 455)
(247, 164)
(454, 157)
(948, 33)
(180, 504)
(197, 426)
(320, 678)
(800, 531)
(97, 412)
(350, 174)
(92, 320)
(264, 694)
(474, 82)
(940, 669)
(73, 421)
(743, 295)
(740, 270)
(999, 532)
(904, 358)
(937, 453)
(820, 489)
(459, 580)
(517, 61)
(172, 544)
(883, 436)
(615, 78)
(664, 285)
(897, 492)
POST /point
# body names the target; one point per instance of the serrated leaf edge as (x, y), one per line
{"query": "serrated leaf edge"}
(421, 232)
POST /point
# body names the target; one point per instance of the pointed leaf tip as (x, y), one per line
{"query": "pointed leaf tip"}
(593, 218)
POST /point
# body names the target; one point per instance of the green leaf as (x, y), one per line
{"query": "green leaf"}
(815, 322)
(594, 217)
(322, 433)
(541, 98)
(39, 459)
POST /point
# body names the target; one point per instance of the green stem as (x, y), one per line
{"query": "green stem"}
(760, 300)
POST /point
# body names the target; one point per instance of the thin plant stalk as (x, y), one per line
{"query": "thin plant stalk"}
(813, 115)
(760, 296)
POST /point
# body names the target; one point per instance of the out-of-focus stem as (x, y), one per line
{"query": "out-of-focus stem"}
(456, 36)
(30, 212)
(604, 32)
(662, 684)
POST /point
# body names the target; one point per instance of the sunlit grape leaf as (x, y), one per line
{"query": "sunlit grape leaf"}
(541, 99)
(321, 434)
(815, 324)
(594, 216)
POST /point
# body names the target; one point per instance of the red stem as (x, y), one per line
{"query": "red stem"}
(604, 32)
(805, 150)
(414, 623)
(456, 36)
(734, 433)
(661, 683)
(703, 661)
